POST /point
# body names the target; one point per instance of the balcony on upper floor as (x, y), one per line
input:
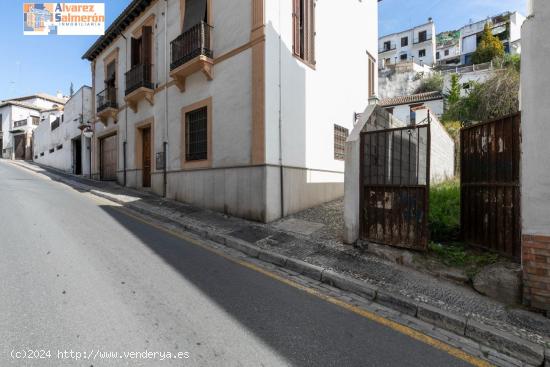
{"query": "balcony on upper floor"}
(139, 85)
(423, 39)
(191, 52)
(387, 47)
(107, 105)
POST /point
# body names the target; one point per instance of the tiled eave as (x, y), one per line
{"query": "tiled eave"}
(129, 14)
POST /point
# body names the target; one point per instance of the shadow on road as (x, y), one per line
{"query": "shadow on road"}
(301, 328)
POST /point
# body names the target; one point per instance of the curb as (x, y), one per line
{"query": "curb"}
(505, 343)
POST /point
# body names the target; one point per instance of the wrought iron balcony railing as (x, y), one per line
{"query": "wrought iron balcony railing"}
(139, 76)
(190, 44)
(106, 99)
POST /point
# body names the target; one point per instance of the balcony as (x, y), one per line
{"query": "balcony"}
(385, 48)
(422, 40)
(106, 104)
(139, 86)
(191, 52)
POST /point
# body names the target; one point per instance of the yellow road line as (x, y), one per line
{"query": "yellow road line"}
(417, 335)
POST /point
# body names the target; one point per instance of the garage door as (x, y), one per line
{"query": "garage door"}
(108, 158)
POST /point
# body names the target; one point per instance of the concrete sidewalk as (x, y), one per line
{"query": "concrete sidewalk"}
(307, 244)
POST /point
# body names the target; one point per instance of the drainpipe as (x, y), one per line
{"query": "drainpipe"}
(165, 143)
(281, 173)
(125, 114)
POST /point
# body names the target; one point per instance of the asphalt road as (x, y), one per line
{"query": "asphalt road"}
(78, 275)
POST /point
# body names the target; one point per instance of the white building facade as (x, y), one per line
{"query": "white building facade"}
(506, 26)
(18, 118)
(232, 106)
(416, 44)
(535, 166)
(58, 139)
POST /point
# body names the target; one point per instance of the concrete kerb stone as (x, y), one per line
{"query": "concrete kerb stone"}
(272, 257)
(400, 303)
(242, 246)
(441, 318)
(505, 343)
(304, 268)
(349, 284)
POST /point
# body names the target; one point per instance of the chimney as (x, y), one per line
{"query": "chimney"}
(59, 94)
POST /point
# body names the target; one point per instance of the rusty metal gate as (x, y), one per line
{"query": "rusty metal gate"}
(490, 190)
(395, 179)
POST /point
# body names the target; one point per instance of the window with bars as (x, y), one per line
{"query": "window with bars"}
(196, 134)
(340, 137)
(304, 30)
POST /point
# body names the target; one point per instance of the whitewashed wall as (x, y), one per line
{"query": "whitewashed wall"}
(45, 139)
(535, 94)
(402, 112)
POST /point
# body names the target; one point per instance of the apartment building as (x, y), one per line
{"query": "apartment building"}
(506, 26)
(448, 48)
(415, 44)
(18, 118)
(234, 106)
(58, 141)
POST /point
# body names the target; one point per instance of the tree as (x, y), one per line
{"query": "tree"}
(71, 90)
(454, 92)
(489, 47)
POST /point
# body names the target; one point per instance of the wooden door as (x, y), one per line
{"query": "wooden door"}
(146, 151)
(19, 142)
(108, 158)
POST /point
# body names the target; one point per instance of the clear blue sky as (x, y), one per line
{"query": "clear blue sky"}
(32, 64)
(398, 15)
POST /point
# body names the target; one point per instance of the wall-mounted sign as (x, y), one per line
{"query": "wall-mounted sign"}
(63, 19)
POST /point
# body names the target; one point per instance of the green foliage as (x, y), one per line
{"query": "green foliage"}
(431, 83)
(498, 96)
(508, 61)
(444, 219)
(454, 92)
(458, 255)
(453, 128)
(489, 47)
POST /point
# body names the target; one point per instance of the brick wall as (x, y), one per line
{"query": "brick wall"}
(536, 271)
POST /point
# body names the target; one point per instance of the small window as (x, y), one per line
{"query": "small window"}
(404, 41)
(387, 45)
(372, 75)
(42, 154)
(403, 57)
(196, 135)
(304, 30)
(52, 150)
(340, 137)
(437, 55)
(422, 36)
(35, 157)
(20, 123)
(390, 109)
(446, 52)
(35, 120)
(59, 147)
(422, 53)
(62, 118)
